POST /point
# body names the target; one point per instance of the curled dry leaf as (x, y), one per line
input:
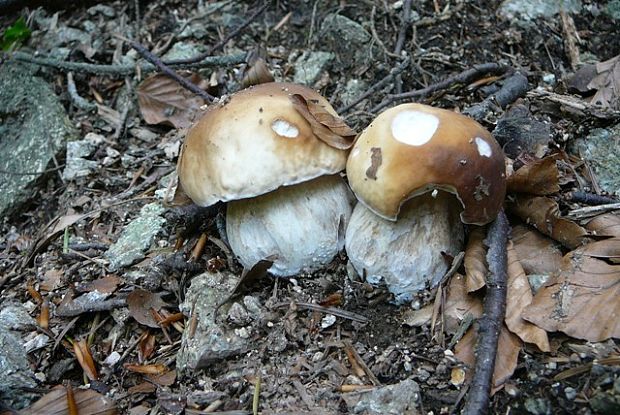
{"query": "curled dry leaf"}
(541, 177)
(508, 348)
(87, 402)
(607, 84)
(607, 224)
(154, 369)
(543, 213)
(257, 73)
(165, 379)
(459, 303)
(329, 128)
(105, 285)
(85, 359)
(607, 249)
(582, 301)
(537, 254)
(140, 303)
(163, 101)
(518, 299)
(475, 260)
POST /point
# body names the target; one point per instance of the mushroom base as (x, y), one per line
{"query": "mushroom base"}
(302, 225)
(406, 254)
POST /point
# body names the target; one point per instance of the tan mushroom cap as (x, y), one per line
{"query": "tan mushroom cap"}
(254, 143)
(412, 148)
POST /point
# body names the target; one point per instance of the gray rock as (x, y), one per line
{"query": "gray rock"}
(34, 129)
(14, 365)
(353, 89)
(348, 40)
(537, 281)
(601, 150)
(184, 50)
(76, 164)
(400, 398)
(15, 317)
(538, 406)
(613, 9)
(103, 9)
(310, 65)
(136, 237)
(213, 339)
(523, 11)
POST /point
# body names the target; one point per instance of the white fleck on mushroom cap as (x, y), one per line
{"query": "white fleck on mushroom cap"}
(252, 144)
(413, 148)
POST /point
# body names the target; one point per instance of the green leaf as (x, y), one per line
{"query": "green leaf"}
(14, 34)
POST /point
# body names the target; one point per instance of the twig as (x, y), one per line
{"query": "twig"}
(513, 88)
(490, 324)
(589, 198)
(78, 101)
(400, 41)
(222, 42)
(122, 70)
(464, 77)
(589, 211)
(378, 85)
(190, 86)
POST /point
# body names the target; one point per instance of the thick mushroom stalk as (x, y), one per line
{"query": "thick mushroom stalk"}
(302, 225)
(408, 254)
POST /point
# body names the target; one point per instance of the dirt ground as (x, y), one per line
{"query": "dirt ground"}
(306, 375)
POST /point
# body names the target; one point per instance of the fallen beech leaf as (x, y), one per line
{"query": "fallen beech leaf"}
(475, 260)
(257, 73)
(540, 177)
(85, 359)
(418, 318)
(607, 224)
(543, 213)
(582, 301)
(537, 253)
(144, 387)
(607, 249)
(87, 401)
(518, 299)
(329, 128)
(165, 379)
(607, 84)
(105, 285)
(146, 347)
(140, 303)
(154, 369)
(508, 348)
(163, 101)
(459, 303)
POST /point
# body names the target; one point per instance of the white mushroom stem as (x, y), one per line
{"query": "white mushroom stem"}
(302, 225)
(407, 253)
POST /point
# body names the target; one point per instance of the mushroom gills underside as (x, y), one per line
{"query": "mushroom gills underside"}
(301, 225)
(407, 253)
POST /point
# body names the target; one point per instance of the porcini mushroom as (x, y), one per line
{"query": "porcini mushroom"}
(409, 169)
(273, 151)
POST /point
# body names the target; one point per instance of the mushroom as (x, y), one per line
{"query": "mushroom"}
(273, 151)
(408, 169)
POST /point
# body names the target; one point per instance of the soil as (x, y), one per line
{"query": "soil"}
(314, 358)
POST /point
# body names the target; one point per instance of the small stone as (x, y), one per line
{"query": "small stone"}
(328, 321)
(570, 393)
(537, 281)
(310, 65)
(352, 90)
(348, 40)
(538, 406)
(524, 11)
(400, 398)
(112, 359)
(238, 315)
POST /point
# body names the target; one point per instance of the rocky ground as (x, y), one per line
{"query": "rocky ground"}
(102, 284)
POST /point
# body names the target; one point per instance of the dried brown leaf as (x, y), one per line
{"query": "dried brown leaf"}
(582, 301)
(165, 379)
(418, 318)
(163, 101)
(87, 401)
(459, 303)
(154, 369)
(144, 387)
(329, 128)
(85, 359)
(146, 347)
(607, 224)
(257, 73)
(537, 253)
(608, 249)
(475, 260)
(607, 84)
(541, 177)
(518, 299)
(543, 213)
(508, 348)
(105, 285)
(140, 302)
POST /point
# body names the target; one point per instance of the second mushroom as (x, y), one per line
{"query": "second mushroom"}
(419, 172)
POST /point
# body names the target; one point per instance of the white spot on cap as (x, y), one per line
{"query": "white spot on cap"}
(284, 129)
(414, 128)
(484, 149)
(355, 152)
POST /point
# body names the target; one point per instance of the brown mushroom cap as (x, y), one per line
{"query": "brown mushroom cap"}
(412, 149)
(254, 143)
